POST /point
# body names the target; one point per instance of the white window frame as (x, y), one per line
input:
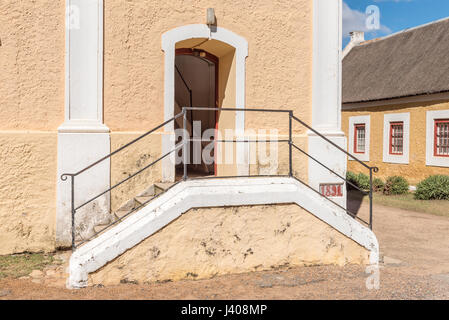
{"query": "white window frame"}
(431, 159)
(396, 158)
(352, 122)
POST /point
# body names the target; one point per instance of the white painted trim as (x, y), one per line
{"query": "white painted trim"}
(169, 40)
(331, 157)
(83, 126)
(75, 152)
(437, 98)
(431, 159)
(82, 138)
(352, 122)
(348, 49)
(396, 117)
(211, 193)
(357, 37)
(326, 96)
(84, 68)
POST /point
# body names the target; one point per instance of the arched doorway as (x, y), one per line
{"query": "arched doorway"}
(196, 85)
(231, 51)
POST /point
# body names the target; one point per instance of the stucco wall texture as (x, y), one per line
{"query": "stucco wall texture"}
(204, 243)
(32, 64)
(416, 170)
(278, 76)
(27, 192)
(278, 67)
(31, 109)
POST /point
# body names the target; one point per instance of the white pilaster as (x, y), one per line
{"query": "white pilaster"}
(326, 65)
(83, 138)
(326, 104)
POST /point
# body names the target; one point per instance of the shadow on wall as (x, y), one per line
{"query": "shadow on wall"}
(354, 200)
(225, 66)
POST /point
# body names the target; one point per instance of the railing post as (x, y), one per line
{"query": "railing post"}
(72, 200)
(290, 142)
(191, 125)
(371, 198)
(184, 148)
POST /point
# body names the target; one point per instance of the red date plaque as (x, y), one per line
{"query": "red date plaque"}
(331, 189)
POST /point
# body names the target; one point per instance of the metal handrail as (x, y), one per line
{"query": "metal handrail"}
(292, 145)
(376, 169)
(183, 144)
(371, 169)
(130, 177)
(65, 175)
(323, 165)
(72, 176)
(119, 219)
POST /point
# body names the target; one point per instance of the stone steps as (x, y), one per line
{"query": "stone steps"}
(130, 206)
(207, 193)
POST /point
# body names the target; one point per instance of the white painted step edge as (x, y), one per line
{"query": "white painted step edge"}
(211, 193)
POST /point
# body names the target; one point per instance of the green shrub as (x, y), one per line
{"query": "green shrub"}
(433, 188)
(360, 180)
(396, 185)
(351, 177)
(363, 181)
(378, 185)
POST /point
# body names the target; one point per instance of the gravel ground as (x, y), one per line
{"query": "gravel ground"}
(414, 250)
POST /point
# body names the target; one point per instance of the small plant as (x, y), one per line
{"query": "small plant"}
(363, 181)
(360, 180)
(433, 188)
(351, 177)
(396, 185)
(378, 185)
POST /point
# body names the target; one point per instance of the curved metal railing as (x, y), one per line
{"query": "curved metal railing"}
(183, 145)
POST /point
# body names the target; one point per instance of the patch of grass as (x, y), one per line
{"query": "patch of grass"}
(408, 202)
(19, 265)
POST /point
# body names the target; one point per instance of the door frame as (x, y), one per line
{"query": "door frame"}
(200, 31)
(214, 59)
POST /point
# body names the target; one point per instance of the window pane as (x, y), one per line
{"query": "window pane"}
(360, 134)
(442, 137)
(397, 137)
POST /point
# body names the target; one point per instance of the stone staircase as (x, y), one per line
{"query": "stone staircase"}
(129, 207)
(161, 210)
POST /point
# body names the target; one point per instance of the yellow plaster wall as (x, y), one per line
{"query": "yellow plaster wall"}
(27, 191)
(278, 68)
(31, 108)
(204, 243)
(278, 75)
(417, 169)
(32, 64)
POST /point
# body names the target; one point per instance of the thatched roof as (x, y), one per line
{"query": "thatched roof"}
(411, 62)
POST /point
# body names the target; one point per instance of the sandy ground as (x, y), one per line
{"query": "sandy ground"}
(414, 250)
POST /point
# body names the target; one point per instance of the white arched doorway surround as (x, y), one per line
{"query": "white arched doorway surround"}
(169, 40)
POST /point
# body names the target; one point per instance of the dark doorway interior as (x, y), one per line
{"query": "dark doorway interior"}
(196, 84)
